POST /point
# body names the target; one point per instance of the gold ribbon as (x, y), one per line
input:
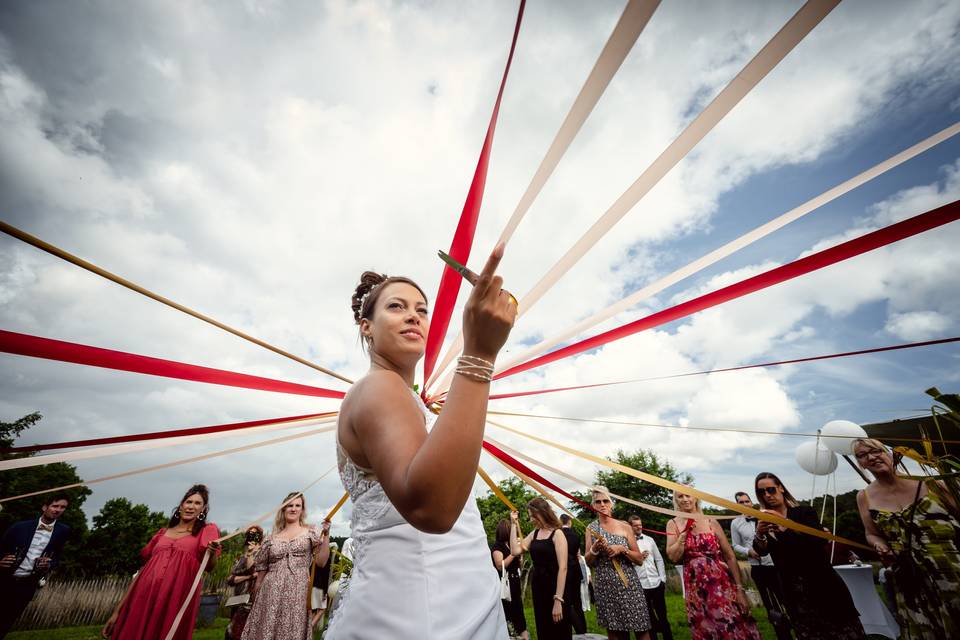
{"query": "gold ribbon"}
(703, 495)
(495, 489)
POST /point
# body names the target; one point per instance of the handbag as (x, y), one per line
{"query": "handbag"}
(234, 601)
(505, 586)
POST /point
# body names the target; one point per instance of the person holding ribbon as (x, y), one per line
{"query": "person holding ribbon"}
(915, 528)
(410, 473)
(282, 588)
(548, 549)
(242, 575)
(818, 602)
(612, 551)
(171, 561)
(717, 606)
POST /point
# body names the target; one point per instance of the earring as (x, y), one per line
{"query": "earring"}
(176, 513)
(202, 516)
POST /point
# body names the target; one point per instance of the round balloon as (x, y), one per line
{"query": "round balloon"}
(850, 432)
(815, 458)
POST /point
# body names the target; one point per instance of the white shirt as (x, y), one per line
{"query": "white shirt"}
(651, 572)
(742, 532)
(40, 541)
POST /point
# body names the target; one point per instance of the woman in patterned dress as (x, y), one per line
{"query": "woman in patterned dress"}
(818, 601)
(716, 604)
(281, 604)
(914, 526)
(241, 578)
(612, 551)
(548, 549)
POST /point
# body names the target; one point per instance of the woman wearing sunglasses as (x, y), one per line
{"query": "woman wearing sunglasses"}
(818, 601)
(914, 527)
(241, 579)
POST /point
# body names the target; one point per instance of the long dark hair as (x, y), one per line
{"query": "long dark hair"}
(201, 520)
(543, 514)
(762, 496)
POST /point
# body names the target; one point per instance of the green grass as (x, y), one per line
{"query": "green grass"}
(214, 632)
(676, 613)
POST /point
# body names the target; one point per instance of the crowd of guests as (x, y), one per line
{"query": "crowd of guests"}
(913, 525)
(280, 580)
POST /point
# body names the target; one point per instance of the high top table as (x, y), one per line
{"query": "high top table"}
(874, 615)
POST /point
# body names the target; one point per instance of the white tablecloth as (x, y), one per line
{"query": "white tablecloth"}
(874, 615)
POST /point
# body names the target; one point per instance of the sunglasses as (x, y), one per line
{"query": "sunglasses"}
(768, 490)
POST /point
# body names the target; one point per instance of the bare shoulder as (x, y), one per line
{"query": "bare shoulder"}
(376, 394)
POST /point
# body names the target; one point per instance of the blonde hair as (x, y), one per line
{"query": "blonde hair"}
(603, 491)
(696, 502)
(870, 442)
(279, 522)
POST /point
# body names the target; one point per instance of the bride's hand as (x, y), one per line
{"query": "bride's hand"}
(489, 313)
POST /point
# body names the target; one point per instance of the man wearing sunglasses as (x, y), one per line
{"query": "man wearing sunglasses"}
(764, 574)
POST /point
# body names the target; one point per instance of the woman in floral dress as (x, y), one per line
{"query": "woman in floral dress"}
(914, 526)
(612, 551)
(716, 604)
(281, 604)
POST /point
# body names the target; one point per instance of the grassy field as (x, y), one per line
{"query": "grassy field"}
(675, 611)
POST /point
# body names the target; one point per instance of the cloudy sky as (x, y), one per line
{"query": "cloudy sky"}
(251, 159)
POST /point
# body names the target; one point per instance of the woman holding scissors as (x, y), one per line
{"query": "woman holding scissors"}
(421, 566)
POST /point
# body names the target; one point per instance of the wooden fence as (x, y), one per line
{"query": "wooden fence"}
(82, 602)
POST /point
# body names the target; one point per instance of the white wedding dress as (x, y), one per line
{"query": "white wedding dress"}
(409, 584)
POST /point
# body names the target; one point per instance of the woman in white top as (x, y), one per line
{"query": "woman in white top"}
(421, 563)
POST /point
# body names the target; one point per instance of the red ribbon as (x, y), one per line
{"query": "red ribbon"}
(502, 455)
(156, 435)
(868, 242)
(845, 354)
(466, 229)
(36, 347)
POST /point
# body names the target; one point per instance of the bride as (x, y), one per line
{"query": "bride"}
(421, 565)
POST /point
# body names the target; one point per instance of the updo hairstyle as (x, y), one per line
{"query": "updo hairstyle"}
(367, 293)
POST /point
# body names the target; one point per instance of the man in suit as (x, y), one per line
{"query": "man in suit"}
(29, 550)
(571, 592)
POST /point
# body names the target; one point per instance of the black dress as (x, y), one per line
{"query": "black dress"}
(544, 582)
(818, 601)
(513, 608)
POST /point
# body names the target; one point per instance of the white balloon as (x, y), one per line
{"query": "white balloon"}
(850, 430)
(815, 458)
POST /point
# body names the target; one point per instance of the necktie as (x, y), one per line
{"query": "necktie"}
(45, 527)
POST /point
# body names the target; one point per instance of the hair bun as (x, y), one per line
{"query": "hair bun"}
(368, 281)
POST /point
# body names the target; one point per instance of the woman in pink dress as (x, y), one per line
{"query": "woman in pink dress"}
(171, 561)
(716, 604)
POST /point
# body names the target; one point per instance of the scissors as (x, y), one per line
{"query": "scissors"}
(467, 274)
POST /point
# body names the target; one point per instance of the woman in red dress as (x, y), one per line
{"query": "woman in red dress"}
(716, 604)
(171, 561)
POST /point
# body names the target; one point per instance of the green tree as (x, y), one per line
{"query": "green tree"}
(630, 487)
(120, 531)
(492, 510)
(27, 480)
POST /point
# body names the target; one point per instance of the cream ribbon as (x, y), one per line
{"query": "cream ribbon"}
(733, 246)
(134, 447)
(632, 22)
(175, 463)
(564, 474)
(703, 495)
(789, 36)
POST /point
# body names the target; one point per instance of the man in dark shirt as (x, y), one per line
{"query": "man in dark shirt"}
(571, 594)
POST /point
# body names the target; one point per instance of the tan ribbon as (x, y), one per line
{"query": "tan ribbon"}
(495, 489)
(175, 463)
(206, 556)
(703, 495)
(19, 234)
(731, 247)
(789, 36)
(134, 447)
(632, 21)
(564, 474)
